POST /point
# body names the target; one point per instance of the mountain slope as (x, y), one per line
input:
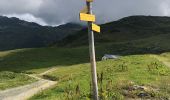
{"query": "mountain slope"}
(15, 33)
(124, 30)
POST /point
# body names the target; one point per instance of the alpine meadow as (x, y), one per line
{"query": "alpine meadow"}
(57, 61)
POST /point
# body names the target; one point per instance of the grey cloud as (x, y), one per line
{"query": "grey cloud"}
(28, 17)
(54, 12)
(19, 6)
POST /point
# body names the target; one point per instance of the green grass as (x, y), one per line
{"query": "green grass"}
(41, 59)
(35, 61)
(74, 69)
(10, 79)
(79, 74)
(129, 37)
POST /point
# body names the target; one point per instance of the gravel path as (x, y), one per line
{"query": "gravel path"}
(27, 91)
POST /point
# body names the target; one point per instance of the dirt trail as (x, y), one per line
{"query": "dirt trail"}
(48, 71)
(162, 59)
(27, 91)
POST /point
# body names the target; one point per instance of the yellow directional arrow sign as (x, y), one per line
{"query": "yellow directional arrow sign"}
(84, 10)
(89, 0)
(95, 27)
(87, 17)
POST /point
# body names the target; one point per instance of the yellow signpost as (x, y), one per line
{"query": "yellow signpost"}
(87, 17)
(95, 27)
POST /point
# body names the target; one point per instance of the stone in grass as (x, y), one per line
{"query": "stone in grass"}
(137, 87)
(143, 94)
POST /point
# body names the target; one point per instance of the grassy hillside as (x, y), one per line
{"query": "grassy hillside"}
(126, 29)
(28, 59)
(117, 82)
(140, 72)
(73, 66)
(35, 61)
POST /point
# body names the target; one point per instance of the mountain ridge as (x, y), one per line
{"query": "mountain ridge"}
(126, 29)
(16, 33)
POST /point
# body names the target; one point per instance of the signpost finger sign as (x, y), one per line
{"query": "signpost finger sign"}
(87, 17)
(95, 27)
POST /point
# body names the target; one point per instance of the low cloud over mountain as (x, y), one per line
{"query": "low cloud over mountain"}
(55, 12)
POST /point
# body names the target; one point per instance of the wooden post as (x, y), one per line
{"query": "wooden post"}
(92, 54)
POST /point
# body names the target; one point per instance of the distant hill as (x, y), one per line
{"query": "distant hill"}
(124, 30)
(142, 33)
(16, 33)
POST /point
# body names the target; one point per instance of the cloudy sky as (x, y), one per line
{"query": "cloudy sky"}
(56, 12)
